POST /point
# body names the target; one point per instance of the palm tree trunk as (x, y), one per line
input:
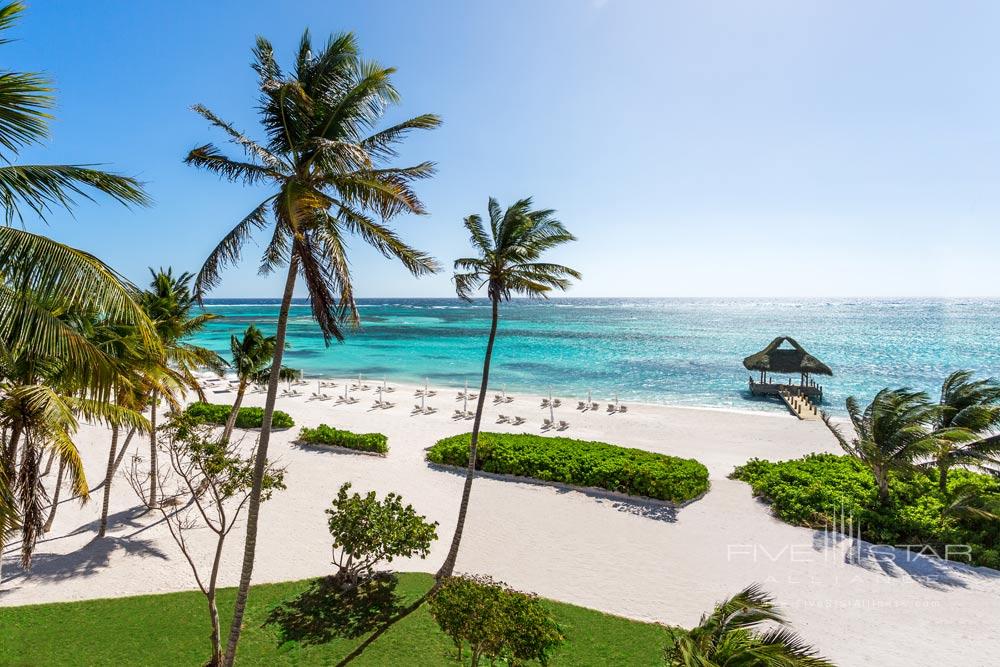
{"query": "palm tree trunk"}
(882, 479)
(260, 461)
(449, 563)
(943, 477)
(107, 481)
(48, 464)
(231, 421)
(124, 449)
(213, 610)
(152, 451)
(8, 463)
(55, 497)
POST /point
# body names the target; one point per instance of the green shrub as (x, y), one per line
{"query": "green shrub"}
(215, 413)
(578, 462)
(362, 442)
(367, 530)
(812, 491)
(496, 621)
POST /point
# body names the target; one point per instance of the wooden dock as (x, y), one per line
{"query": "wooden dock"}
(800, 406)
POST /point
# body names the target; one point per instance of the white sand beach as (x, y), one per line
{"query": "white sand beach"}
(641, 560)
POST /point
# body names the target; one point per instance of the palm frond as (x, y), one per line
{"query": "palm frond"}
(41, 187)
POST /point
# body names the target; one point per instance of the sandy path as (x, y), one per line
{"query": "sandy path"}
(637, 560)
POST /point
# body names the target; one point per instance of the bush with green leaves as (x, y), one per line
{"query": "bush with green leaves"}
(214, 413)
(376, 443)
(367, 530)
(579, 463)
(495, 621)
(814, 490)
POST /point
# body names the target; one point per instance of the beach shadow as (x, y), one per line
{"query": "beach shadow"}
(927, 570)
(87, 561)
(325, 611)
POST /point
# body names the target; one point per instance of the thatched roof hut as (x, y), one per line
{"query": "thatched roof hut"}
(784, 360)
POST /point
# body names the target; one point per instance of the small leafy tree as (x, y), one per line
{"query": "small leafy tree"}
(211, 482)
(367, 530)
(496, 621)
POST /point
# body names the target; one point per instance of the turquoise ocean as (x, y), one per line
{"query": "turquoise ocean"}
(673, 351)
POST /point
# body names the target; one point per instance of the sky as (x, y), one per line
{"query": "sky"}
(696, 148)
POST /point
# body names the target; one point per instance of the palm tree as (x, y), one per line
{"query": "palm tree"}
(730, 635)
(169, 303)
(327, 167)
(38, 274)
(507, 263)
(252, 356)
(893, 433)
(972, 405)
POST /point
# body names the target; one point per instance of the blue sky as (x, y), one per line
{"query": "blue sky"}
(785, 148)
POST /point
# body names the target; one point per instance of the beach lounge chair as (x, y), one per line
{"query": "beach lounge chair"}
(473, 397)
(458, 414)
(497, 398)
(429, 410)
(518, 420)
(469, 414)
(556, 403)
(417, 410)
(315, 396)
(563, 425)
(545, 402)
(612, 408)
(595, 406)
(622, 408)
(503, 419)
(386, 405)
(582, 405)
(546, 424)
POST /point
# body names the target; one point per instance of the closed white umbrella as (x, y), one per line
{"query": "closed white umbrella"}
(552, 410)
(465, 402)
(423, 401)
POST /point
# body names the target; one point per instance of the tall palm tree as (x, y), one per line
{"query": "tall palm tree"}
(327, 167)
(252, 357)
(169, 303)
(893, 433)
(973, 405)
(35, 270)
(507, 264)
(730, 635)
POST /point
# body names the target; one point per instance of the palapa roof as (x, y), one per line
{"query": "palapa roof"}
(776, 359)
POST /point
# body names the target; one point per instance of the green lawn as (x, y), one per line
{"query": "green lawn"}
(172, 629)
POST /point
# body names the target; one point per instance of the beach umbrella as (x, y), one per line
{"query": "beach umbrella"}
(423, 401)
(589, 401)
(505, 393)
(319, 387)
(347, 386)
(425, 385)
(383, 383)
(552, 410)
(465, 401)
(466, 388)
(616, 399)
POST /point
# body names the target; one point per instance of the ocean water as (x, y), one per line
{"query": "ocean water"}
(673, 351)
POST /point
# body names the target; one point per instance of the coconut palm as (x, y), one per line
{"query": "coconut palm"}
(169, 303)
(507, 264)
(40, 408)
(327, 167)
(252, 356)
(732, 635)
(893, 433)
(973, 405)
(34, 269)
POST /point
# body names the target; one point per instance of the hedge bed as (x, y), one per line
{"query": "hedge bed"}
(578, 463)
(814, 490)
(214, 413)
(375, 443)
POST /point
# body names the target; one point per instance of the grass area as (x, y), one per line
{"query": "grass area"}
(375, 443)
(579, 463)
(172, 629)
(809, 491)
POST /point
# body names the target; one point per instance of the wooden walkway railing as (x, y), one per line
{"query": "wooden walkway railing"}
(800, 406)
